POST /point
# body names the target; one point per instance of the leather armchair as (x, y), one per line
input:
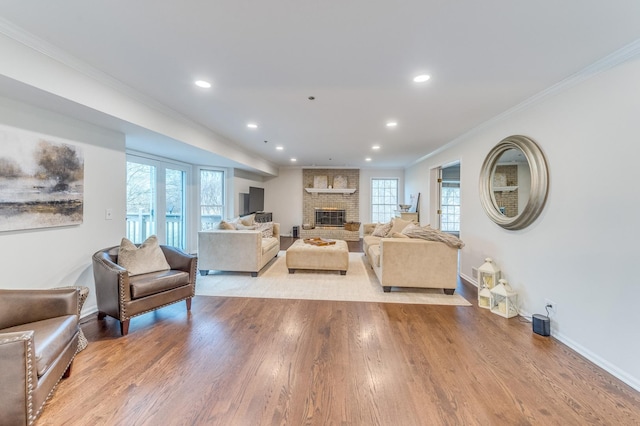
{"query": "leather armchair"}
(123, 297)
(39, 331)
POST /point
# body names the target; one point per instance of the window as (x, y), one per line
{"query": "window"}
(450, 206)
(384, 199)
(155, 186)
(211, 198)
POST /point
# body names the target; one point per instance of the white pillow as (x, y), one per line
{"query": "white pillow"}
(144, 259)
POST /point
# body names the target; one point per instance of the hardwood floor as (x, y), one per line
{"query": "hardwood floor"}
(237, 361)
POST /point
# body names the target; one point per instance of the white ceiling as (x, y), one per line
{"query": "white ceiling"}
(357, 57)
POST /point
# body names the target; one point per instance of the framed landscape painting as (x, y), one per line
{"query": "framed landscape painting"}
(41, 181)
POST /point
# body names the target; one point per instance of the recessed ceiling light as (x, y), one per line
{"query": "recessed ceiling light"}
(421, 78)
(375, 147)
(279, 148)
(203, 84)
(367, 159)
(392, 124)
(293, 160)
(252, 125)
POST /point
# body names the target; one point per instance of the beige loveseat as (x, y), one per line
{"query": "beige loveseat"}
(411, 262)
(236, 250)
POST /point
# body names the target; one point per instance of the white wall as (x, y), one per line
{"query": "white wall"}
(283, 197)
(581, 252)
(54, 257)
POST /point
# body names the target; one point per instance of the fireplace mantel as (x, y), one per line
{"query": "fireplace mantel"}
(330, 190)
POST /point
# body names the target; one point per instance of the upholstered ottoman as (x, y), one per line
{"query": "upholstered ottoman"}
(334, 257)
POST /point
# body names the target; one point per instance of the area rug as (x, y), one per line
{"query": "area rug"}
(358, 285)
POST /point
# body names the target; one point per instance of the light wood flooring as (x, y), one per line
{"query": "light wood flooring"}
(237, 361)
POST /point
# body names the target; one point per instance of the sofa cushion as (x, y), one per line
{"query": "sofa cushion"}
(397, 225)
(240, 226)
(399, 235)
(51, 337)
(382, 229)
(374, 255)
(268, 244)
(144, 259)
(156, 282)
(431, 234)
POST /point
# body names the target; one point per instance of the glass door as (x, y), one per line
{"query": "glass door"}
(175, 221)
(141, 201)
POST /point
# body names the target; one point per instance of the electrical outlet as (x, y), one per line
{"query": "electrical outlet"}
(551, 306)
(474, 272)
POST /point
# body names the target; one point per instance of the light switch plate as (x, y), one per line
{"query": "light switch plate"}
(108, 214)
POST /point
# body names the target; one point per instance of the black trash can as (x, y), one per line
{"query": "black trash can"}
(296, 231)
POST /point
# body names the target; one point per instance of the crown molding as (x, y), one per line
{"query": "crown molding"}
(630, 51)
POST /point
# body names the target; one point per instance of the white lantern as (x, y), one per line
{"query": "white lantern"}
(504, 301)
(488, 276)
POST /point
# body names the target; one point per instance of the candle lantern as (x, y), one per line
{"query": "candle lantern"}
(488, 276)
(504, 300)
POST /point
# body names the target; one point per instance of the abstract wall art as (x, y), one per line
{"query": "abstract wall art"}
(41, 181)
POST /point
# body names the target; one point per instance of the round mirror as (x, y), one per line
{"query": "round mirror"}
(514, 182)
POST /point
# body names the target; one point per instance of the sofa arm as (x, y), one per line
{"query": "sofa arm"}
(19, 307)
(276, 230)
(18, 376)
(230, 250)
(408, 262)
(179, 260)
(110, 279)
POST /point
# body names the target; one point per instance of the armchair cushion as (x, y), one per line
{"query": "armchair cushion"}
(51, 337)
(156, 282)
(144, 259)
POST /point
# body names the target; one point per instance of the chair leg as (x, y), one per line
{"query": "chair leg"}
(188, 304)
(124, 327)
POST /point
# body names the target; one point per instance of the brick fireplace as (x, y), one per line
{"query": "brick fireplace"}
(326, 207)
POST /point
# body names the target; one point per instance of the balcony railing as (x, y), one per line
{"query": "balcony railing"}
(140, 226)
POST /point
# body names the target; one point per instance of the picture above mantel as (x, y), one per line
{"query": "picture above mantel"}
(330, 190)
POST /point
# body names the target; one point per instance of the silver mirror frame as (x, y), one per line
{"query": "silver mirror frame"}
(539, 182)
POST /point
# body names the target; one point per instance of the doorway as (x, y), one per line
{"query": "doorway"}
(447, 197)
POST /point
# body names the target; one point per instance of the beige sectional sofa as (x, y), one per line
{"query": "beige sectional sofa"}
(411, 262)
(236, 250)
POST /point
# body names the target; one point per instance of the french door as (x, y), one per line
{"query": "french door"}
(156, 201)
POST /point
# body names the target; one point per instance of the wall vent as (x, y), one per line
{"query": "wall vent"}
(474, 273)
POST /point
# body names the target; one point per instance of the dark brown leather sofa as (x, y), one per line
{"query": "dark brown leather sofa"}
(123, 297)
(39, 332)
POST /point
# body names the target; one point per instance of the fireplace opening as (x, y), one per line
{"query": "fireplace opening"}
(330, 217)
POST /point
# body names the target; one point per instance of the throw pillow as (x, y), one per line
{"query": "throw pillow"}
(266, 228)
(248, 220)
(430, 234)
(144, 259)
(381, 230)
(398, 225)
(227, 226)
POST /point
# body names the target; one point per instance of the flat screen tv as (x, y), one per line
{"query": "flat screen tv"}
(256, 199)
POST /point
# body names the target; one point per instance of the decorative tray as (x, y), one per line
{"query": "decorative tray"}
(319, 241)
